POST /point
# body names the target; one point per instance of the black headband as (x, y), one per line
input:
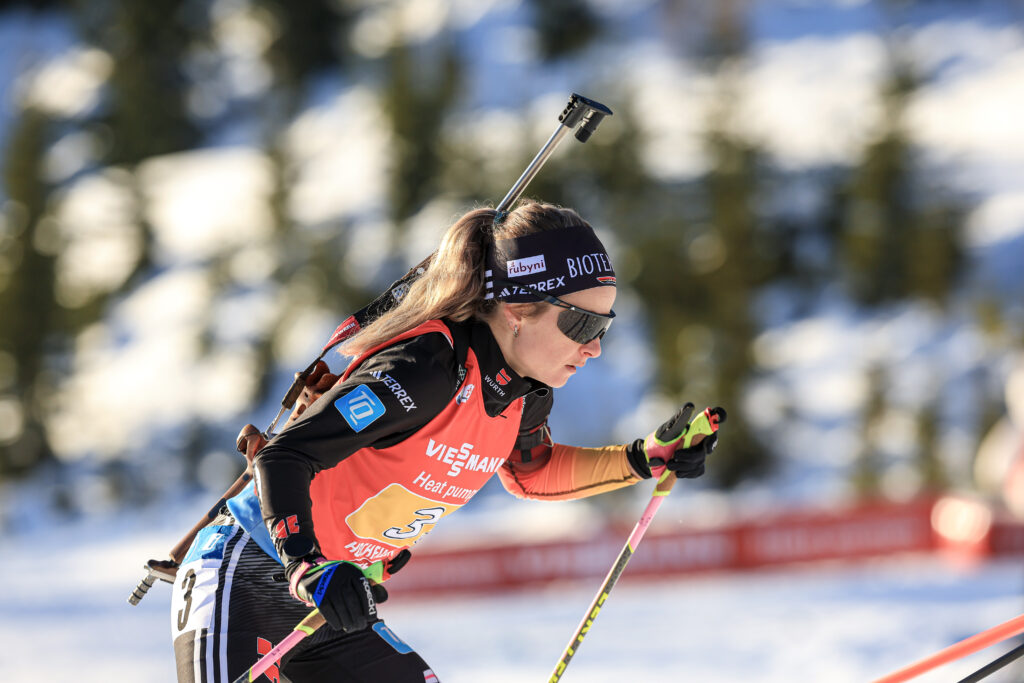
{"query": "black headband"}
(555, 262)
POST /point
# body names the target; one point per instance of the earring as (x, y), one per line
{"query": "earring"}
(515, 330)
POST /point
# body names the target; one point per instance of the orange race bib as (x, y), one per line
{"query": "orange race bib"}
(376, 518)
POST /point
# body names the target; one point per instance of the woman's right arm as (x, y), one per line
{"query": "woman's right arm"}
(390, 396)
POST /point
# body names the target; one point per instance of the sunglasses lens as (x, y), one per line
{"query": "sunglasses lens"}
(581, 327)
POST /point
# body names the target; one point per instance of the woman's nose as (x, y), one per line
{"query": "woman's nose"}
(592, 349)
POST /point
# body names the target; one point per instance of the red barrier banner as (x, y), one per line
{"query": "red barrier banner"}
(863, 531)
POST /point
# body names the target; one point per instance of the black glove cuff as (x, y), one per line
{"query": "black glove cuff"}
(638, 459)
(399, 561)
(295, 550)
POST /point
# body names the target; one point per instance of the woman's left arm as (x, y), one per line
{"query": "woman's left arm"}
(553, 471)
(538, 468)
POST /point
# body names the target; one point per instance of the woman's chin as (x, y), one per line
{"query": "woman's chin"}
(559, 378)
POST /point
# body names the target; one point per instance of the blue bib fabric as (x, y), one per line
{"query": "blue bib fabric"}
(246, 509)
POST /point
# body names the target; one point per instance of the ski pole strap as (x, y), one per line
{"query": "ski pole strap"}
(373, 572)
(980, 641)
(306, 627)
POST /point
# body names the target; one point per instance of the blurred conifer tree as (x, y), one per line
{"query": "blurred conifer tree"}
(309, 39)
(703, 274)
(899, 238)
(146, 110)
(868, 467)
(930, 464)
(144, 113)
(32, 319)
(421, 88)
(564, 27)
(730, 266)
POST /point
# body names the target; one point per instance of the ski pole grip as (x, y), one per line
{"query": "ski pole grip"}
(701, 427)
(704, 425)
(665, 483)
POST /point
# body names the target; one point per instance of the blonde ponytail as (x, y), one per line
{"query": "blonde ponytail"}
(453, 285)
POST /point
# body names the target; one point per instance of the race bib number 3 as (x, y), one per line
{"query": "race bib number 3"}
(397, 516)
(360, 407)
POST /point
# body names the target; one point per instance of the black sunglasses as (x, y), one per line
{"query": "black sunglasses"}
(578, 324)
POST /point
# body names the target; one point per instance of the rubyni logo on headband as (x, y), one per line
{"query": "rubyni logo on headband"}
(526, 266)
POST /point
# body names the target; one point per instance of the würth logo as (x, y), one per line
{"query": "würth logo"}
(503, 377)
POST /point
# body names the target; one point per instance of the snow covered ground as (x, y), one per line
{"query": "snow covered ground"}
(63, 617)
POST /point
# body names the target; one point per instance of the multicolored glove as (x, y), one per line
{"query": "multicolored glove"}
(344, 596)
(341, 590)
(680, 445)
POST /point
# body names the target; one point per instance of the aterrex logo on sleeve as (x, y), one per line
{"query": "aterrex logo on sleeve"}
(360, 407)
(527, 266)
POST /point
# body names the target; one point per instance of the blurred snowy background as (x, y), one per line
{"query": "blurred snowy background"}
(816, 210)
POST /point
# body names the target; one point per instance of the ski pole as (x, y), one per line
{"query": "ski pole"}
(995, 665)
(306, 627)
(703, 425)
(967, 646)
(580, 111)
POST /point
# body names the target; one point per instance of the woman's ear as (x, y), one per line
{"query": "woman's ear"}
(511, 314)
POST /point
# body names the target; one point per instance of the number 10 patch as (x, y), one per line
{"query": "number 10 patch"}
(360, 407)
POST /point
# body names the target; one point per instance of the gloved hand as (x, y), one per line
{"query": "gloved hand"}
(681, 445)
(345, 597)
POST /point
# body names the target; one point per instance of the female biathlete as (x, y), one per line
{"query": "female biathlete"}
(446, 389)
